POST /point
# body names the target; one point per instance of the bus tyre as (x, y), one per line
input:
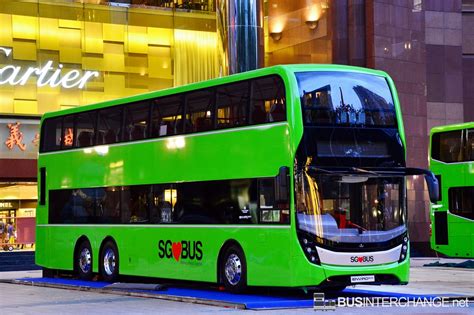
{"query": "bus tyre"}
(233, 270)
(109, 262)
(83, 259)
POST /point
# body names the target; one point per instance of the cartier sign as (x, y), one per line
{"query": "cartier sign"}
(46, 74)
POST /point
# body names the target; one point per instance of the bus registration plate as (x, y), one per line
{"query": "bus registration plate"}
(362, 279)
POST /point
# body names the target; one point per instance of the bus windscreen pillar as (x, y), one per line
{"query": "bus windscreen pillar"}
(240, 30)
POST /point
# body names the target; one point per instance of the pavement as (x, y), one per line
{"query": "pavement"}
(436, 281)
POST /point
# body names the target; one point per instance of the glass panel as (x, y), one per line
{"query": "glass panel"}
(135, 204)
(51, 137)
(110, 125)
(85, 123)
(167, 116)
(215, 202)
(136, 121)
(345, 98)
(68, 132)
(447, 146)
(268, 100)
(232, 105)
(470, 145)
(199, 109)
(461, 201)
(351, 209)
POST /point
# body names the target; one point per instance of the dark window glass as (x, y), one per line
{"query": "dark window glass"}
(167, 116)
(215, 202)
(461, 201)
(110, 125)
(199, 109)
(470, 145)
(447, 146)
(85, 126)
(345, 99)
(211, 202)
(136, 203)
(68, 132)
(84, 205)
(51, 137)
(136, 121)
(268, 100)
(232, 105)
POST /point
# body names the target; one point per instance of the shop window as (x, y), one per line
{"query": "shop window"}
(461, 201)
(136, 121)
(447, 146)
(51, 137)
(232, 105)
(268, 100)
(199, 111)
(85, 129)
(167, 116)
(109, 127)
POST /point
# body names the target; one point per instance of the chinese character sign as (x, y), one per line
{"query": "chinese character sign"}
(19, 137)
(15, 138)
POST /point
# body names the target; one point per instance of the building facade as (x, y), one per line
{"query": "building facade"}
(95, 50)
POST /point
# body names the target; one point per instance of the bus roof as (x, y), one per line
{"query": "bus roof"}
(279, 69)
(452, 127)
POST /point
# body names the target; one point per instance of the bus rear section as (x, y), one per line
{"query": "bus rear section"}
(452, 218)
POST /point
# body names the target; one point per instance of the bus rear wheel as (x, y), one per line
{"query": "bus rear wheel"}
(233, 269)
(109, 262)
(83, 259)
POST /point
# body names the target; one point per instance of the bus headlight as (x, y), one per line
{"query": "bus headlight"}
(309, 248)
(404, 251)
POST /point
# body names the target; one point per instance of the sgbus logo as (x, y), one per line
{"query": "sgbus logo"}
(362, 259)
(180, 250)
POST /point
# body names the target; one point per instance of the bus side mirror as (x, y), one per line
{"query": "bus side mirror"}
(433, 187)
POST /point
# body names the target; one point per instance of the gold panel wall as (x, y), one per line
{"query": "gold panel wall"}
(134, 50)
(297, 32)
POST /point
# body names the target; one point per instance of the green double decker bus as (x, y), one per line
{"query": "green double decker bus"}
(452, 218)
(289, 176)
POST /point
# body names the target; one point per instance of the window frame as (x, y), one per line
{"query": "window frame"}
(152, 103)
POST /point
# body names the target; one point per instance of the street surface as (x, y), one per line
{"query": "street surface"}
(23, 299)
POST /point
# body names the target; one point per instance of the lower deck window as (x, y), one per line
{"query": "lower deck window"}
(239, 201)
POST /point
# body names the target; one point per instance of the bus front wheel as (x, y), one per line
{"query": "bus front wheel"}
(233, 269)
(84, 260)
(109, 262)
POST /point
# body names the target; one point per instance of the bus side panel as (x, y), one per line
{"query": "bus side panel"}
(177, 252)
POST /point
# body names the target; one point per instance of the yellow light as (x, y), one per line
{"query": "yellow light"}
(170, 196)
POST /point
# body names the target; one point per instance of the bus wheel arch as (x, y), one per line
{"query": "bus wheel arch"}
(109, 260)
(83, 258)
(232, 267)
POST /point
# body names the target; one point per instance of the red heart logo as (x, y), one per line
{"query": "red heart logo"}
(360, 259)
(177, 248)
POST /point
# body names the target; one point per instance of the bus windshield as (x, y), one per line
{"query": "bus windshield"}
(345, 98)
(351, 209)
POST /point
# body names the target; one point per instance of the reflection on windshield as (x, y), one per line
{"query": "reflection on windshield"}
(345, 98)
(351, 209)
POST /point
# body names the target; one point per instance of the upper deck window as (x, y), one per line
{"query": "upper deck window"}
(453, 146)
(345, 99)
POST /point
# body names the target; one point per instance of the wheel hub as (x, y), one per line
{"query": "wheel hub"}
(109, 261)
(233, 269)
(85, 260)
